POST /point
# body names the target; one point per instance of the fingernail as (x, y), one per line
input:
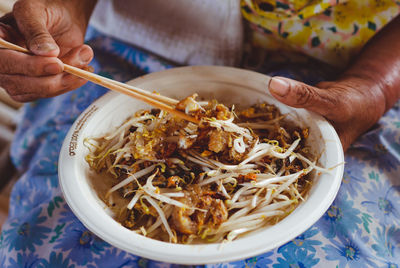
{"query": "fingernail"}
(279, 86)
(52, 68)
(45, 47)
(85, 54)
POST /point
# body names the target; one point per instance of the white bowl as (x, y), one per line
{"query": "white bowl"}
(230, 86)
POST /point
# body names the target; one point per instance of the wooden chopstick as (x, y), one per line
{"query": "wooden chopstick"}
(97, 79)
(161, 98)
(164, 99)
(152, 99)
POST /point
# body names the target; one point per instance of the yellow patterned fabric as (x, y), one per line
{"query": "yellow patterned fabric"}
(332, 31)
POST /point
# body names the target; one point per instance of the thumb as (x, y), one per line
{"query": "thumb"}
(300, 95)
(31, 21)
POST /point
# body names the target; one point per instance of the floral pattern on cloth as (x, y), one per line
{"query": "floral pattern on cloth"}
(360, 229)
(332, 31)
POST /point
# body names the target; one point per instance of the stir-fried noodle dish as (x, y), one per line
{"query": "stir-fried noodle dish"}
(235, 172)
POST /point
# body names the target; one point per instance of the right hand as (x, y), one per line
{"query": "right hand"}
(54, 32)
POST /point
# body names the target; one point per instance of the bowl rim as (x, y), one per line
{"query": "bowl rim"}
(178, 253)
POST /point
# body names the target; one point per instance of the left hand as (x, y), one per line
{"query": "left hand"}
(351, 104)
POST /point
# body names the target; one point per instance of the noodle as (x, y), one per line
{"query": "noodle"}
(181, 182)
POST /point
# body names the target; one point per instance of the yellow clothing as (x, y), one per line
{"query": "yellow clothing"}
(332, 31)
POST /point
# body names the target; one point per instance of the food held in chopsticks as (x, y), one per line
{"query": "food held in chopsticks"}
(176, 181)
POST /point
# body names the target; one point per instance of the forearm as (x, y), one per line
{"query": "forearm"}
(378, 65)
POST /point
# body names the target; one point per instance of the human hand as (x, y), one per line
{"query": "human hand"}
(54, 32)
(351, 104)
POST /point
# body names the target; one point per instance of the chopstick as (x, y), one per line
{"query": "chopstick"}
(155, 100)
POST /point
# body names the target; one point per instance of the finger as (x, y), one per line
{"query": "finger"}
(6, 32)
(11, 35)
(13, 62)
(31, 20)
(24, 89)
(79, 57)
(345, 140)
(9, 30)
(8, 19)
(300, 95)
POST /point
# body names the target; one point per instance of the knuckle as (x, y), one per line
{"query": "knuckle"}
(304, 95)
(20, 6)
(38, 35)
(16, 64)
(47, 88)
(34, 67)
(6, 67)
(51, 86)
(9, 85)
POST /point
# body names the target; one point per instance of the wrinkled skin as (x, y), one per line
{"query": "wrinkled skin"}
(360, 96)
(349, 105)
(54, 32)
(51, 29)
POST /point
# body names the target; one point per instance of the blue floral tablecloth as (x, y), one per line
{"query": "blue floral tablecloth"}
(360, 229)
